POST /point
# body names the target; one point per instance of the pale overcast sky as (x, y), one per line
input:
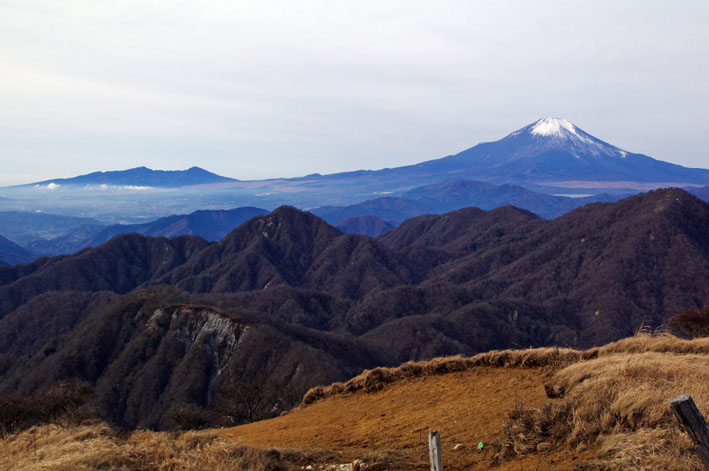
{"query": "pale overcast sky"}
(255, 89)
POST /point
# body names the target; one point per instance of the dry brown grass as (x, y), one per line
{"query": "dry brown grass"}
(375, 379)
(554, 358)
(646, 343)
(618, 402)
(98, 446)
(613, 399)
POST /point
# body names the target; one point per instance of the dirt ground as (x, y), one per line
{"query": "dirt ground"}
(466, 407)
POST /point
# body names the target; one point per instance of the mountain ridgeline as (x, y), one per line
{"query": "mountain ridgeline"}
(11, 253)
(534, 167)
(550, 155)
(286, 301)
(452, 194)
(143, 176)
(211, 225)
(552, 151)
(47, 235)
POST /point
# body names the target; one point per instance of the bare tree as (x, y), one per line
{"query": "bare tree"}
(252, 396)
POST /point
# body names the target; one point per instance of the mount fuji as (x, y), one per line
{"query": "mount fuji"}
(555, 152)
(549, 155)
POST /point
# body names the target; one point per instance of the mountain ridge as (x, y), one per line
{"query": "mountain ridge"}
(211, 225)
(569, 154)
(457, 193)
(542, 161)
(141, 176)
(547, 155)
(11, 253)
(320, 304)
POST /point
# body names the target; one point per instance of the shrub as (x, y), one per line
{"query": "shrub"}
(692, 323)
(191, 417)
(65, 402)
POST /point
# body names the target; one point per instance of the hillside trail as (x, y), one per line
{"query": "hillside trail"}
(467, 407)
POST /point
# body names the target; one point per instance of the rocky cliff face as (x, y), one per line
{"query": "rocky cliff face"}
(219, 336)
(154, 353)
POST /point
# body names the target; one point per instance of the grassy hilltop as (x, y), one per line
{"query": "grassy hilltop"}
(548, 408)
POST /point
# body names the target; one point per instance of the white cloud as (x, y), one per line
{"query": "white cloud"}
(106, 187)
(136, 187)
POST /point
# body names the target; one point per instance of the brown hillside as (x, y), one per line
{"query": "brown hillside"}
(608, 267)
(120, 265)
(608, 410)
(153, 351)
(467, 407)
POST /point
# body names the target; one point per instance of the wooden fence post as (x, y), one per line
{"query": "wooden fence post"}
(434, 450)
(693, 422)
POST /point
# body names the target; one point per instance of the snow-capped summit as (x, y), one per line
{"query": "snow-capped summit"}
(555, 152)
(552, 127)
(562, 134)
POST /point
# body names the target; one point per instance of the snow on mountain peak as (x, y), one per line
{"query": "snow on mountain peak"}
(552, 127)
(560, 132)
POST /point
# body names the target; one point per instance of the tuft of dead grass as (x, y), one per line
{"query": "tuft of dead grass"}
(98, 446)
(552, 357)
(619, 403)
(664, 343)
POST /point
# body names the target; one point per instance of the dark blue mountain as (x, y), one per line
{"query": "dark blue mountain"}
(211, 225)
(549, 153)
(12, 254)
(24, 227)
(553, 150)
(143, 176)
(458, 193)
(391, 209)
(454, 194)
(701, 193)
(371, 226)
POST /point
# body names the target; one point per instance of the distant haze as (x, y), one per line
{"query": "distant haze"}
(252, 89)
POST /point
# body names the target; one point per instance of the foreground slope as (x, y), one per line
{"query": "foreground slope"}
(552, 409)
(468, 406)
(94, 446)
(605, 408)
